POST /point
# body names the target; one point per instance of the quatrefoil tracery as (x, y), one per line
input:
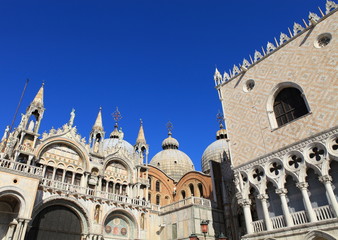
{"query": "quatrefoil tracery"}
(316, 154)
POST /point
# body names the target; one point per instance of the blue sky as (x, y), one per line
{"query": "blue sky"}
(153, 59)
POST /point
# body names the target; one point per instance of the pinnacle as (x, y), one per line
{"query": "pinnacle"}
(98, 122)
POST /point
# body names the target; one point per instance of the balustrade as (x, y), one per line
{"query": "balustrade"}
(20, 167)
(185, 202)
(323, 213)
(278, 222)
(48, 183)
(258, 226)
(299, 217)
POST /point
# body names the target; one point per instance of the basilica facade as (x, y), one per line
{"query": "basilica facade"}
(56, 185)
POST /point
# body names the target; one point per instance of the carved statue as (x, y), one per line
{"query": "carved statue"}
(23, 120)
(72, 116)
(5, 133)
(97, 214)
(96, 146)
(31, 126)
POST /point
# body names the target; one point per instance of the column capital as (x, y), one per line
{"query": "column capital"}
(325, 178)
(244, 202)
(262, 196)
(302, 185)
(281, 191)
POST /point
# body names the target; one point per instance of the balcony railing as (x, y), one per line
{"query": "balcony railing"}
(186, 202)
(20, 167)
(278, 222)
(75, 189)
(299, 217)
(258, 226)
(322, 213)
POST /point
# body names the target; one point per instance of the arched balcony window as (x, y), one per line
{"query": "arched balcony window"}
(289, 105)
(158, 199)
(286, 103)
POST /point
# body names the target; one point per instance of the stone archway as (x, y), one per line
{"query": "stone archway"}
(57, 222)
(9, 210)
(120, 224)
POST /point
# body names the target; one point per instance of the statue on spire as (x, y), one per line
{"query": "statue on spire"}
(169, 127)
(71, 120)
(117, 116)
(220, 119)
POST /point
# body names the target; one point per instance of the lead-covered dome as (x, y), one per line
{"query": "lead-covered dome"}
(216, 151)
(172, 161)
(116, 141)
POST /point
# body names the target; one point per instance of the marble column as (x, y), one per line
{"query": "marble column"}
(18, 229)
(63, 175)
(306, 199)
(24, 229)
(326, 180)
(287, 216)
(43, 171)
(99, 187)
(245, 203)
(73, 177)
(263, 198)
(54, 172)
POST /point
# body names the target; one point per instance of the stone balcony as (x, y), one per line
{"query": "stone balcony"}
(20, 168)
(88, 193)
(191, 201)
(300, 219)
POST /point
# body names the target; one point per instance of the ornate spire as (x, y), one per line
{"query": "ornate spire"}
(220, 117)
(140, 137)
(170, 128)
(221, 133)
(98, 123)
(117, 117)
(38, 100)
(217, 77)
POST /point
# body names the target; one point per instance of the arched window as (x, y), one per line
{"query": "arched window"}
(289, 104)
(158, 186)
(183, 194)
(192, 189)
(200, 188)
(158, 199)
(149, 178)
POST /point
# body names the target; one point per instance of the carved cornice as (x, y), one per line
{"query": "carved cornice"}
(297, 146)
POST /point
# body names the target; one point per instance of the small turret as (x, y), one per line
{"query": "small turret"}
(34, 113)
(23, 140)
(97, 133)
(141, 145)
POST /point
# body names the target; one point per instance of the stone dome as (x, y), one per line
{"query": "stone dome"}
(172, 161)
(115, 142)
(216, 151)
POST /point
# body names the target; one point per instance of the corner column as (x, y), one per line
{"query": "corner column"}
(326, 180)
(245, 203)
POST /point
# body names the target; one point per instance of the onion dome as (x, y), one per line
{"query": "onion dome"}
(172, 161)
(115, 133)
(216, 151)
